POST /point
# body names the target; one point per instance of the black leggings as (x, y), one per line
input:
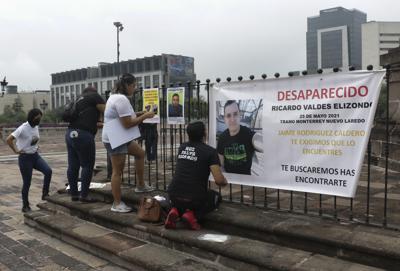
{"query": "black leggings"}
(199, 207)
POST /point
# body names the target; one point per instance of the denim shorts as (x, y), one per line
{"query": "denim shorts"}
(123, 149)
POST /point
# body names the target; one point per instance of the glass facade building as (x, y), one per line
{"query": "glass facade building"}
(334, 39)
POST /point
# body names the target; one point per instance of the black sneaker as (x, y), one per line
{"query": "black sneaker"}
(74, 198)
(45, 196)
(26, 209)
(87, 200)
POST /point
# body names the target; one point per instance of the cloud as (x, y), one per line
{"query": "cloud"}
(26, 63)
(226, 37)
(24, 71)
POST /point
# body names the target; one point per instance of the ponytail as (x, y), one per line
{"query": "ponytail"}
(122, 84)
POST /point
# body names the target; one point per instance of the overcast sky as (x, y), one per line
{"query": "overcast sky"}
(226, 37)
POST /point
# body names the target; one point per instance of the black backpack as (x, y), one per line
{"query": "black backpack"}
(71, 113)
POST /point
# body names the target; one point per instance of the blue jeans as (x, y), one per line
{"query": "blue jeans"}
(27, 162)
(81, 154)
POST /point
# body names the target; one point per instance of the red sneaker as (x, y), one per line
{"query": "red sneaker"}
(170, 222)
(191, 220)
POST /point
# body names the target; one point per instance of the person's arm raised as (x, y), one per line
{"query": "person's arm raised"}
(221, 159)
(140, 113)
(130, 121)
(219, 178)
(100, 107)
(257, 142)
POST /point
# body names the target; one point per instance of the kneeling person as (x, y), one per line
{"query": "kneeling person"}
(188, 192)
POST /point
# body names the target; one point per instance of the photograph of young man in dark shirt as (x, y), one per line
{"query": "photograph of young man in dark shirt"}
(191, 199)
(175, 108)
(236, 144)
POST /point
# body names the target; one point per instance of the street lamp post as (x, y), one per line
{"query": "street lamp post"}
(17, 105)
(44, 105)
(119, 27)
(3, 83)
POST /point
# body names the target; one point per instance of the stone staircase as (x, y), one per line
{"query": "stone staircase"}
(236, 237)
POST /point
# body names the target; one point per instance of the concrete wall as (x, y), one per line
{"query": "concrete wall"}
(28, 100)
(376, 38)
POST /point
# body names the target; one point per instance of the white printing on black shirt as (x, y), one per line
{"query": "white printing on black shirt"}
(189, 153)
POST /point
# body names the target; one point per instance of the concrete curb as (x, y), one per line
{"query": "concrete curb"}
(358, 243)
(121, 249)
(238, 252)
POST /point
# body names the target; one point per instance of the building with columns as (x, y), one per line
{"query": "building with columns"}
(153, 71)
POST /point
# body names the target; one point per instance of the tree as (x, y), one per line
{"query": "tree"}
(53, 116)
(12, 114)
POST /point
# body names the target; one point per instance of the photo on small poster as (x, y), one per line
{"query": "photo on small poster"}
(151, 102)
(239, 136)
(176, 105)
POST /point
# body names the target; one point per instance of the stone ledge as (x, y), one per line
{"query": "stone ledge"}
(254, 252)
(349, 241)
(121, 249)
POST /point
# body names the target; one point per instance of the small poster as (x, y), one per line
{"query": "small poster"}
(176, 105)
(151, 102)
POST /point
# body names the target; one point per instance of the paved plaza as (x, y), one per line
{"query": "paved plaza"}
(25, 248)
(22, 247)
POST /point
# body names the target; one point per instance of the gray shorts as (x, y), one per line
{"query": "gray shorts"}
(123, 149)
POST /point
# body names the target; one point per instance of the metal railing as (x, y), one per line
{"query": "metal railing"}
(377, 201)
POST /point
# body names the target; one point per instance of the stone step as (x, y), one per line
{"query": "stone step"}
(234, 252)
(372, 246)
(121, 249)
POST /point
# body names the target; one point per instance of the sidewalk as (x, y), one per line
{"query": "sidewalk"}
(24, 248)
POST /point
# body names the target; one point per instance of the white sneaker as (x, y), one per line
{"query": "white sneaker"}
(121, 208)
(143, 189)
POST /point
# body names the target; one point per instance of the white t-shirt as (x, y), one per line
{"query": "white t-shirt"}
(27, 138)
(117, 106)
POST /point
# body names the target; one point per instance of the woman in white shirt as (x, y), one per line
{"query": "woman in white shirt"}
(27, 138)
(119, 107)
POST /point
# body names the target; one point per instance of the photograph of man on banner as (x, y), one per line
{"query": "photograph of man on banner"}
(175, 101)
(239, 135)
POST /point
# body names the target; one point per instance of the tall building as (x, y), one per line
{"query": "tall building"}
(150, 72)
(334, 39)
(377, 39)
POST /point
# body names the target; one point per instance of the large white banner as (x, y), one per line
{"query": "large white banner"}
(299, 133)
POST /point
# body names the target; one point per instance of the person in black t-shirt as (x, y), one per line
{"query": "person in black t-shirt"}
(81, 144)
(188, 190)
(235, 145)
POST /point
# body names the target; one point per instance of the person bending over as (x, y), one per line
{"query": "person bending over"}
(81, 146)
(188, 192)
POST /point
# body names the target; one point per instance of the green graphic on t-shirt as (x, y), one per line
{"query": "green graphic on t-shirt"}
(235, 152)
